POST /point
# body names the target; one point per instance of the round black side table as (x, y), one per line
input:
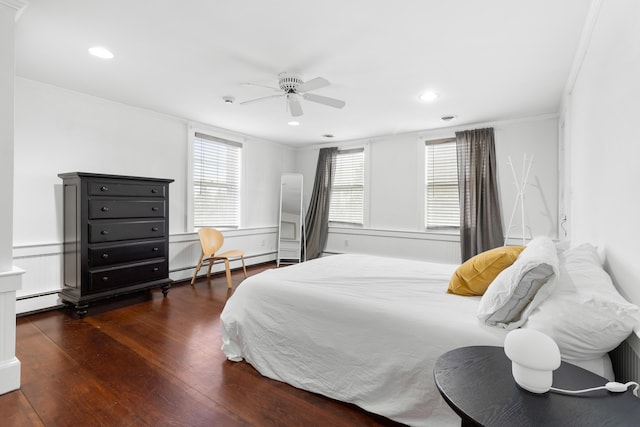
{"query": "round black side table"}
(478, 385)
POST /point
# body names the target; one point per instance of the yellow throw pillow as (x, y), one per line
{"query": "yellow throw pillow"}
(475, 275)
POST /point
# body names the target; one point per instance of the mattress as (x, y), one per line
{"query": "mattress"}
(357, 328)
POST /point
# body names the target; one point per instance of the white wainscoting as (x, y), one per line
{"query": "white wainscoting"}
(42, 278)
(436, 247)
(258, 244)
(43, 263)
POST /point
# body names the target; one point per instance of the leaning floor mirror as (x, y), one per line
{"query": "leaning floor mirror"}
(291, 226)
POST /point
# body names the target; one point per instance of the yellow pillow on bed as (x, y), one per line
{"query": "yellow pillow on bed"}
(475, 275)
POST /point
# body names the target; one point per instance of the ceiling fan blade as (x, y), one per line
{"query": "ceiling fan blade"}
(259, 85)
(313, 84)
(331, 102)
(264, 98)
(294, 105)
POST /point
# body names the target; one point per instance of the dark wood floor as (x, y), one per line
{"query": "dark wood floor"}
(154, 361)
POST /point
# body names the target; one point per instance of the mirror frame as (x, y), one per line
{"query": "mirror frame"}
(291, 239)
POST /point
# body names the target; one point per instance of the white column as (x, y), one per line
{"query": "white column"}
(10, 277)
(9, 363)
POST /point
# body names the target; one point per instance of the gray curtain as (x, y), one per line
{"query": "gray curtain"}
(480, 213)
(317, 219)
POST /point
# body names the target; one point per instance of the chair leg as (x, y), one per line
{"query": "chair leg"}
(244, 268)
(228, 271)
(195, 273)
(210, 267)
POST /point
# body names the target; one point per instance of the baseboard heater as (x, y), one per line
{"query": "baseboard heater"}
(626, 360)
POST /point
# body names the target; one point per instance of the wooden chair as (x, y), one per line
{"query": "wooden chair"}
(211, 240)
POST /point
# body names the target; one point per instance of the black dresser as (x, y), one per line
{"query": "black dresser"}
(116, 236)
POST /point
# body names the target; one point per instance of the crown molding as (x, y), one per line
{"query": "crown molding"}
(18, 5)
(583, 45)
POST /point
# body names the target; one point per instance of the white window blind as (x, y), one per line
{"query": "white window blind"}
(347, 189)
(442, 205)
(216, 182)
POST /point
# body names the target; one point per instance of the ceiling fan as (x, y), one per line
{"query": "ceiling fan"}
(292, 87)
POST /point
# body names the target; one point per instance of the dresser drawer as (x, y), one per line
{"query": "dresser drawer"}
(105, 231)
(103, 209)
(113, 188)
(102, 280)
(128, 252)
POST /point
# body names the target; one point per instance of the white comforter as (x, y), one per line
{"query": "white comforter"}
(360, 329)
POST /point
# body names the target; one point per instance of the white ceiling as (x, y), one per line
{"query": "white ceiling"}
(488, 60)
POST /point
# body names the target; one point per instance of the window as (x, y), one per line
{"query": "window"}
(442, 206)
(216, 182)
(347, 189)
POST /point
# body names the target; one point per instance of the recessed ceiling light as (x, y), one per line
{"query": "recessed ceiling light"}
(293, 123)
(428, 96)
(101, 52)
(448, 118)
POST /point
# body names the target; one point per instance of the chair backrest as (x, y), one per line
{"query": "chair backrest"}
(211, 240)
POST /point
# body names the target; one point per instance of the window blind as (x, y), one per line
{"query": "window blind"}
(347, 189)
(442, 205)
(216, 181)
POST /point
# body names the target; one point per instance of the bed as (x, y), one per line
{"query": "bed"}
(362, 329)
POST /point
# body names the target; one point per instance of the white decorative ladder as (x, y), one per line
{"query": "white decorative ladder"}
(521, 184)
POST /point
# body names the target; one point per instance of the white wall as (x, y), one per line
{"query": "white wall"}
(57, 131)
(62, 131)
(264, 165)
(538, 139)
(601, 120)
(396, 199)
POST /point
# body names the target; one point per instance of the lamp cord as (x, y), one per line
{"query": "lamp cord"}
(612, 386)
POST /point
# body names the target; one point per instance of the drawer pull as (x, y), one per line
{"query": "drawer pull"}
(104, 188)
(155, 269)
(105, 209)
(155, 249)
(104, 232)
(155, 209)
(154, 229)
(154, 190)
(105, 256)
(105, 278)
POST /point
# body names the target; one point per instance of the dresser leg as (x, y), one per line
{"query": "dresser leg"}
(165, 289)
(81, 310)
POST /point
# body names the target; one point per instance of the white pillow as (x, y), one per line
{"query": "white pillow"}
(518, 289)
(586, 316)
(585, 268)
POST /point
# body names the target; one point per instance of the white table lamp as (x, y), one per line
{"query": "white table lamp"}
(534, 357)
